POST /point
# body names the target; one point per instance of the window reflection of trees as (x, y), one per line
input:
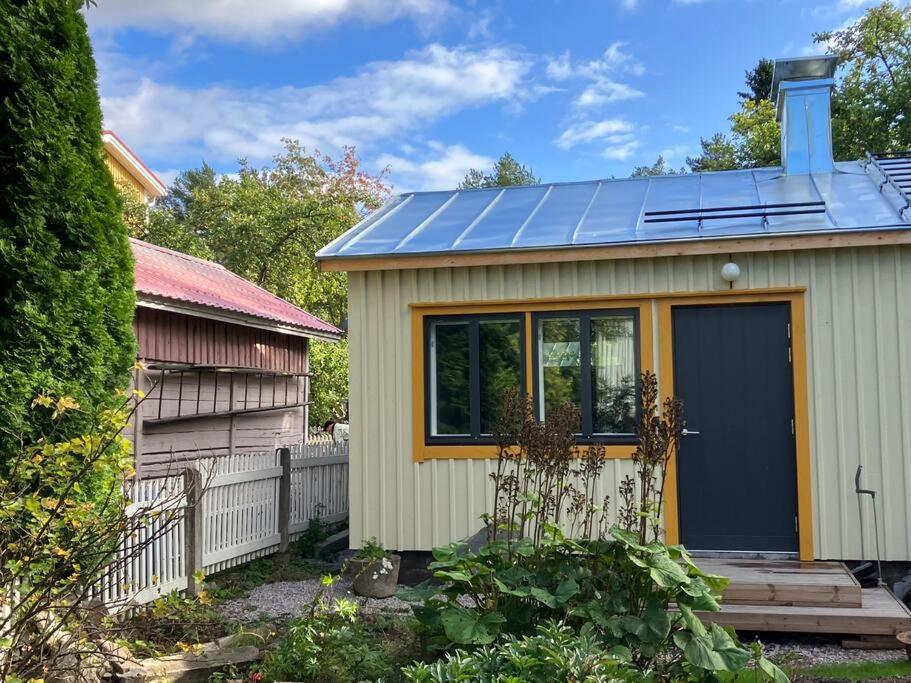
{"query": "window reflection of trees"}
(613, 375)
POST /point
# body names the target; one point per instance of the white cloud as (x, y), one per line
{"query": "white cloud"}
(675, 155)
(256, 21)
(620, 152)
(606, 91)
(443, 167)
(379, 102)
(168, 176)
(612, 131)
(602, 75)
(618, 138)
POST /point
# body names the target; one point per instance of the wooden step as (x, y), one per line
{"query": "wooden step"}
(881, 614)
(786, 583)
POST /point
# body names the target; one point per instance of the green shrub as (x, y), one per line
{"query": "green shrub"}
(334, 643)
(66, 273)
(64, 513)
(554, 653)
(614, 583)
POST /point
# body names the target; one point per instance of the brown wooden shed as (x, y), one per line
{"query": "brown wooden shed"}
(225, 362)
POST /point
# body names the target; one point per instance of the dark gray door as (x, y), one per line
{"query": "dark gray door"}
(736, 477)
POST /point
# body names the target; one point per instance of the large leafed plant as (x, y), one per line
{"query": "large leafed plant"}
(555, 556)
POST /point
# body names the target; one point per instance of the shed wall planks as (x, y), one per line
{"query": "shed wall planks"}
(859, 383)
(176, 338)
(168, 337)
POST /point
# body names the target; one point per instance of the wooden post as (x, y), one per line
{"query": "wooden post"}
(232, 425)
(138, 383)
(193, 524)
(284, 500)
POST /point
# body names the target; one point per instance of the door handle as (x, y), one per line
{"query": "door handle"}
(687, 432)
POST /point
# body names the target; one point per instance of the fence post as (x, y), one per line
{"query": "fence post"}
(193, 523)
(284, 500)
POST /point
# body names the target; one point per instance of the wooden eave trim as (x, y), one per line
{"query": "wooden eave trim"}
(861, 238)
(231, 318)
(120, 152)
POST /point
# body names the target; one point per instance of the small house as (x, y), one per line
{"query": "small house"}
(774, 302)
(224, 362)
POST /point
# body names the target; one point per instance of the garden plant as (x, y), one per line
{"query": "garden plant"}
(559, 591)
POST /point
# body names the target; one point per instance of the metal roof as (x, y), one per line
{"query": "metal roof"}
(727, 204)
(164, 274)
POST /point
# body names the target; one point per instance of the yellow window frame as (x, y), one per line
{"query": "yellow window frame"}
(422, 451)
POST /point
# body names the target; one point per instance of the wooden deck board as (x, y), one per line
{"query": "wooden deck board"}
(786, 583)
(881, 614)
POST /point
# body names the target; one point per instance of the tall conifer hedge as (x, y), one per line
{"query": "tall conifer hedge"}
(66, 272)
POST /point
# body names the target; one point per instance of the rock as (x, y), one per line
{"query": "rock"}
(119, 656)
(375, 578)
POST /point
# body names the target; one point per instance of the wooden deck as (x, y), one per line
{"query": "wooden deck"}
(803, 597)
(803, 584)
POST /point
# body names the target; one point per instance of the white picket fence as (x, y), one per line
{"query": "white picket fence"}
(222, 512)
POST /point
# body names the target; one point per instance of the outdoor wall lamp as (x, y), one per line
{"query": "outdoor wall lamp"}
(730, 271)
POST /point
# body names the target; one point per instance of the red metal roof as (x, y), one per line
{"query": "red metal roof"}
(165, 274)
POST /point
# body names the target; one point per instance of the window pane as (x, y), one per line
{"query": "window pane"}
(449, 379)
(501, 366)
(560, 363)
(613, 375)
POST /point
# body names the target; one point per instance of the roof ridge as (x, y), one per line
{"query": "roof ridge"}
(174, 252)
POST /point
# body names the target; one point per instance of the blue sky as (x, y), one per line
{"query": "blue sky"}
(429, 88)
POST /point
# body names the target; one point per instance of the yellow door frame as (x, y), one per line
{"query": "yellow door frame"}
(796, 300)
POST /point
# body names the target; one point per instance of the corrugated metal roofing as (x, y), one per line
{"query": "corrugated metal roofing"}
(613, 212)
(165, 274)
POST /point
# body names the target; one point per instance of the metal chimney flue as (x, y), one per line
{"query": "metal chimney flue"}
(802, 92)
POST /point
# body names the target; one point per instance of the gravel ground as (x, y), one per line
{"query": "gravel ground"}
(808, 652)
(288, 599)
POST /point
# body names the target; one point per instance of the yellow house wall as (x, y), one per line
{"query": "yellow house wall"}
(858, 346)
(124, 179)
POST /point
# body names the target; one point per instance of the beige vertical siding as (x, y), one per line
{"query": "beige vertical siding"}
(859, 367)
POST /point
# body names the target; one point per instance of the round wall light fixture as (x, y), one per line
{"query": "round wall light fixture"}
(730, 271)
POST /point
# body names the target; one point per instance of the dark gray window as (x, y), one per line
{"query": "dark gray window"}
(590, 359)
(469, 362)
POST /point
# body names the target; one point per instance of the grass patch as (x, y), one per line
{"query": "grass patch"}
(854, 671)
(171, 624)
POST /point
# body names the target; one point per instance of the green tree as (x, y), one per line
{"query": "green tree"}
(757, 135)
(660, 167)
(66, 273)
(755, 139)
(505, 172)
(266, 224)
(871, 108)
(718, 154)
(871, 105)
(759, 81)
(329, 390)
